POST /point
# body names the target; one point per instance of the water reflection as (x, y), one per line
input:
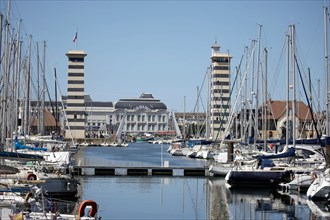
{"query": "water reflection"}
(147, 197)
(255, 203)
(194, 198)
(128, 197)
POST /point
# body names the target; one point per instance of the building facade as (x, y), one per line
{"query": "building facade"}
(75, 106)
(220, 92)
(141, 115)
(138, 115)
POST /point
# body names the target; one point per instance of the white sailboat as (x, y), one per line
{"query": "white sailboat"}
(320, 188)
(118, 137)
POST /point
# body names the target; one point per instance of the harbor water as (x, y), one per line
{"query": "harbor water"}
(178, 197)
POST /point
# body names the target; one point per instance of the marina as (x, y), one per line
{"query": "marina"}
(242, 152)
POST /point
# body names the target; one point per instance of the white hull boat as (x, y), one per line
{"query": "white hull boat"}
(320, 188)
(300, 182)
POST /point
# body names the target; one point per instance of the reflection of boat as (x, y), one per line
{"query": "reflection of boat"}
(319, 208)
(301, 182)
(88, 210)
(320, 188)
(267, 203)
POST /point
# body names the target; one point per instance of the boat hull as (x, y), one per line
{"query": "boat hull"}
(263, 178)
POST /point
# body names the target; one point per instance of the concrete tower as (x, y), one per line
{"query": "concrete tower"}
(220, 90)
(75, 111)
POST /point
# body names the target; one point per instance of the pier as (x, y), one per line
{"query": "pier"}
(140, 171)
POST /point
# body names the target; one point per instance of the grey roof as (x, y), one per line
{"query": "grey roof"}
(146, 100)
(98, 104)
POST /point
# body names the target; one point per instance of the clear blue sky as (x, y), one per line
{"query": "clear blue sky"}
(163, 47)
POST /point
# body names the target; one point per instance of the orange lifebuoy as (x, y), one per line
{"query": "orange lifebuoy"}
(31, 176)
(92, 211)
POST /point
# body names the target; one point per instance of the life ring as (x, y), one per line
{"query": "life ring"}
(92, 211)
(31, 176)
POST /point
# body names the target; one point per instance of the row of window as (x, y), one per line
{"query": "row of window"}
(218, 83)
(76, 59)
(142, 118)
(76, 74)
(144, 128)
(220, 59)
(221, 68)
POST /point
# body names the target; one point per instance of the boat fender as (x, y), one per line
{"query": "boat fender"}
(27, 197)
(31, 176)
(313, 175)
(54, 207)
(84, 204)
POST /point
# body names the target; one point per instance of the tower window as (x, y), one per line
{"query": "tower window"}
(76, 59)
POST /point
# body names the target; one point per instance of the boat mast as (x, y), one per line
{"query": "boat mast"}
(27, 92)
(288, 90)
(292, 27)
(245, 125)
(252, 93)
(43, 90)
(57, 133)
(197, 114)
(310, 94)
(184, 118)
(256, 115)
(207, 125)
(5, 79)
(38, 107)
(265, 112)
(326, 69)
(16, 82)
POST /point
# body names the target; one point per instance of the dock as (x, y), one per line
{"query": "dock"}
(141, 171)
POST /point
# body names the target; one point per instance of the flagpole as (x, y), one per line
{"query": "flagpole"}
(75, 39)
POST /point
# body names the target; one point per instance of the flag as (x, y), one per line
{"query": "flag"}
(75, 37)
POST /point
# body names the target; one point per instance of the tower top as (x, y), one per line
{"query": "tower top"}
(216, 45)
(76, 53)
(215, 48)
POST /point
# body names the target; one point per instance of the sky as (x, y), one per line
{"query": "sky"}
(164, 47)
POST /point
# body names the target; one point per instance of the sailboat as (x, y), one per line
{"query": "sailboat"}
(118, 142)
(320, 188)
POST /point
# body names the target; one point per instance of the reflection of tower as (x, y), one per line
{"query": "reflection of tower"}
(220, 90)
(75, 110)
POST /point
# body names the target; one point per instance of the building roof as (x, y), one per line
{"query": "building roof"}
(278, 109)
(146, 100)
(48, 119)
(99, 104)
(90, 103)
